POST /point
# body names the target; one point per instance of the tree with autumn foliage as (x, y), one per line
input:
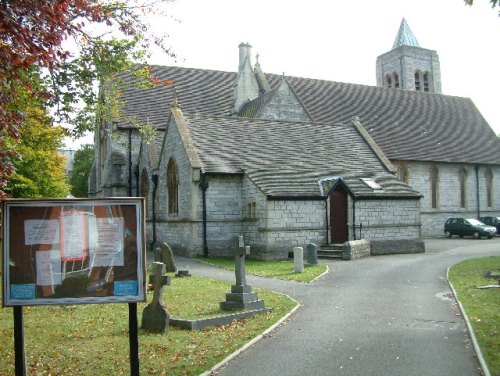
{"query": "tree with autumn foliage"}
(40, 170)
(36, 60)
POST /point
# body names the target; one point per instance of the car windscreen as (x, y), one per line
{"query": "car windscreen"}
(475, 222)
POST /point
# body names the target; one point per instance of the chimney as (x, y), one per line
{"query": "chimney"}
(245, 53)
(247, 87)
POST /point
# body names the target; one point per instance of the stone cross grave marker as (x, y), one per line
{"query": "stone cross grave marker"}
(155, 316)
(241, 295)
(239, 259)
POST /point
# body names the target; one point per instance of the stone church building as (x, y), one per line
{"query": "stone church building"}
(286, 161)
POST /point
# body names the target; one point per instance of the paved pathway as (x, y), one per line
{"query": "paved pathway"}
(384, 315)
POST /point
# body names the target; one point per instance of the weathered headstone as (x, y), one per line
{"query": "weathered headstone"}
(167, 257)
(155, 316)
(298, 259)
(241, 295)
(312, 254)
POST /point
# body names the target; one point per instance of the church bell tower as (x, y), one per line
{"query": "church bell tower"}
(408, 66)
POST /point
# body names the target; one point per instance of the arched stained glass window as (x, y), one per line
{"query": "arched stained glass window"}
(462, 176)
(172, 187)
(488, 174)
(434, 180)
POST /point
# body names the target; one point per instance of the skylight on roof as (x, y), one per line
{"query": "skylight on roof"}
(372, 184)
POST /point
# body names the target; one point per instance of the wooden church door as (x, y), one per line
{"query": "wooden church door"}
(338, 216)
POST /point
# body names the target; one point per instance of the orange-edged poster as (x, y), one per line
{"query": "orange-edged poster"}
(73, 232)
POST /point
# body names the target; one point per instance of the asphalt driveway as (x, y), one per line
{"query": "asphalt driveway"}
(384, 315)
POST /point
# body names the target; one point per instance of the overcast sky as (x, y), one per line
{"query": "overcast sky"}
(339, 40)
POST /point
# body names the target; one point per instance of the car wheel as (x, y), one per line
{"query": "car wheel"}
(476, 235)
(447, 234)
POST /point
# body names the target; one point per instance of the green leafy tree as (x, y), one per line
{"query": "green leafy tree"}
(40, 172)
(109, 35)
(81, 167)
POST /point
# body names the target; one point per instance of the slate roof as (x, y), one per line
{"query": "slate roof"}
(407, 125)
(287, 159)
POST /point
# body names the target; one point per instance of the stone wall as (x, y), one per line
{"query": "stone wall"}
(285, 106)
(388, 219)
(180, 230)
(394, 247)
(405, 61)
(356, 249)
(448, 204)
(293, 224)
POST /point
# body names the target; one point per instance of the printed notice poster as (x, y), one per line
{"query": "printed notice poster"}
(72, 251)
(41, 231)
(48, 268)
(73, 236)
(109, 250)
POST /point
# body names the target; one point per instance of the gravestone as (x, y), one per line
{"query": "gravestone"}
(312, 254)
(155, 316)
(241, 295)
(167, 257)
(298, 259)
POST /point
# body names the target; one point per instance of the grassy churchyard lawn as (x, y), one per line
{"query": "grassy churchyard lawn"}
(93, 339)
(270, 269)
(481, 305)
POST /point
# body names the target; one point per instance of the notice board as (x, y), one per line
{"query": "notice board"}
(73, 251)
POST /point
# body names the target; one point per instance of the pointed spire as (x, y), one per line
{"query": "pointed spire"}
(405, 36)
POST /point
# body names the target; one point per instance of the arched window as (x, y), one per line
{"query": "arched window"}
(172, 187)
(434, 180)
(418, 79)
(426, 81)
(388, 81)
(145, 187)
(462, 176)
(488, 174)
(396, 80)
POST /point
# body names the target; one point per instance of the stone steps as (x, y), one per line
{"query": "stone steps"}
(331, 251)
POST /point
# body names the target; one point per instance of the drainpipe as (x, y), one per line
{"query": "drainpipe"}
(155, 187)
(204, 187)
(130, 162)
(476, 167)
(136, 180)
(326, 222)
(354, 218)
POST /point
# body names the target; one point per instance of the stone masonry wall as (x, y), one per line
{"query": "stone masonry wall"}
(356, 249)
(388, 219)
(285, 106)
(293, 224)
(448, 204)
(180, 230)
(224, 214)
(414, 58)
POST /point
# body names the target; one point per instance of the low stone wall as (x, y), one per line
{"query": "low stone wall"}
(394, 247)
(356, 249)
